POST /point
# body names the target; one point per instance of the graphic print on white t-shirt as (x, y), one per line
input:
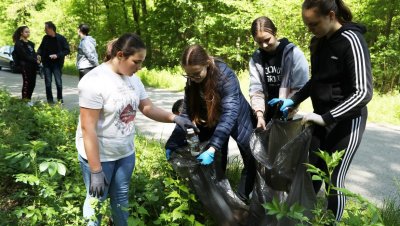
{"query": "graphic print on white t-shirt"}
(126, 105)
(128, 114)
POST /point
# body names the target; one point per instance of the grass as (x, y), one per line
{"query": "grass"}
(234, 171)
(390, 212)
(390, 209)
(168, 79)
(384, 108)
(70, 67)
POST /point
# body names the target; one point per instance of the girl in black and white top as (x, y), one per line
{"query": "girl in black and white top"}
(27, 60)
(340, 88)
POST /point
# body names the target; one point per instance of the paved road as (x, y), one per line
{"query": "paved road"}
(375, 166)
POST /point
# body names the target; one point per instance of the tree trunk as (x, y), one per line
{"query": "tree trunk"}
(136, 15)
(110, 27)
(389, 20)
(144, 8)
(125, 12)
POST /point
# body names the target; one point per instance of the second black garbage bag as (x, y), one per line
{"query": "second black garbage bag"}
(211, 187)
(280, 152)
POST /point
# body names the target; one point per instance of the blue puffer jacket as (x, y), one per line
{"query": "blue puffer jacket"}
(236, 118)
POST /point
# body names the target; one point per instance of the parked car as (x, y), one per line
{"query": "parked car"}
(6, 59)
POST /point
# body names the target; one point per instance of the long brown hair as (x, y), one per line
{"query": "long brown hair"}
(18, 33)
(343, 13)
(196, 55)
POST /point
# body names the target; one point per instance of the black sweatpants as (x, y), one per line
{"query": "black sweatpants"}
(248, 173)
(28, 81)
(345, 135)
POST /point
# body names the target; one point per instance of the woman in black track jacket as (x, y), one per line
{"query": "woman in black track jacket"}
(27, 60)
(340, 88)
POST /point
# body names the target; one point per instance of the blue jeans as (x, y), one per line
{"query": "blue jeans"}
(49, 70)
(119, 175)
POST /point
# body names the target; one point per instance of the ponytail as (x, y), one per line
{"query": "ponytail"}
(343, 13)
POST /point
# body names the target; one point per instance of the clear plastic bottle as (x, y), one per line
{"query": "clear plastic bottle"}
(193, 141)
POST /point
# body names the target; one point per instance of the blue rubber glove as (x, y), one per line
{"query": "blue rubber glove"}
(168, 153)
(207, 157)
(284, 108)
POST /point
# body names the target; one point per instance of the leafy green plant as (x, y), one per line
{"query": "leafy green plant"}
(159, 196)
(331, 162)
(39, 173)
(34, 162)
(362, 213)
(281, 210)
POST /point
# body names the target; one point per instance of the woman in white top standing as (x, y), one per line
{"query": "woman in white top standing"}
(109, 97)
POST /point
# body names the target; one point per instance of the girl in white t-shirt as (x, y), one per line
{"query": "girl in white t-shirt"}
(109, 97)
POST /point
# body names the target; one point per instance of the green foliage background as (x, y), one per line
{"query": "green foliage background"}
(222, 26)
(41, 181)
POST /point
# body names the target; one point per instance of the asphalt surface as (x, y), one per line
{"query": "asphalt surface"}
(373, 172)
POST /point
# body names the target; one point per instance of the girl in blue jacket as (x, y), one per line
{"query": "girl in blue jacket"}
(214, 101)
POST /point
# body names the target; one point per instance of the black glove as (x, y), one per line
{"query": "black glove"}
(98, 183)
(185, 123)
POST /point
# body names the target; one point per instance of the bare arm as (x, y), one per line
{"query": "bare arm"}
(150, 110)
(89, 119)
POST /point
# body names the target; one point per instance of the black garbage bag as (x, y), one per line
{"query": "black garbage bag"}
(211, 187)
(280, 152)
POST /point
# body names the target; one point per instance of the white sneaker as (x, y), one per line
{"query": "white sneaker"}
(30, 104)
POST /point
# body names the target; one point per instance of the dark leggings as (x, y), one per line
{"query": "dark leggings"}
(345, 135)
(28, 81)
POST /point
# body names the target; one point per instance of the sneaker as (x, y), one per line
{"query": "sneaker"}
(29, 104)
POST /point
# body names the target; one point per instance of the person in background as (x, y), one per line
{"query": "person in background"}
(340, 88)
(52, 50)
(177, 107)
(277, 68)
(27, 61)
(214, 101)
(87, 57)
(109, 97)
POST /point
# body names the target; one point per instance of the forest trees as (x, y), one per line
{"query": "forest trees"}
(222, 26)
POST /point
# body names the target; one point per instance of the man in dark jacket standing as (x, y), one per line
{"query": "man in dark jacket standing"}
(52, 51)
